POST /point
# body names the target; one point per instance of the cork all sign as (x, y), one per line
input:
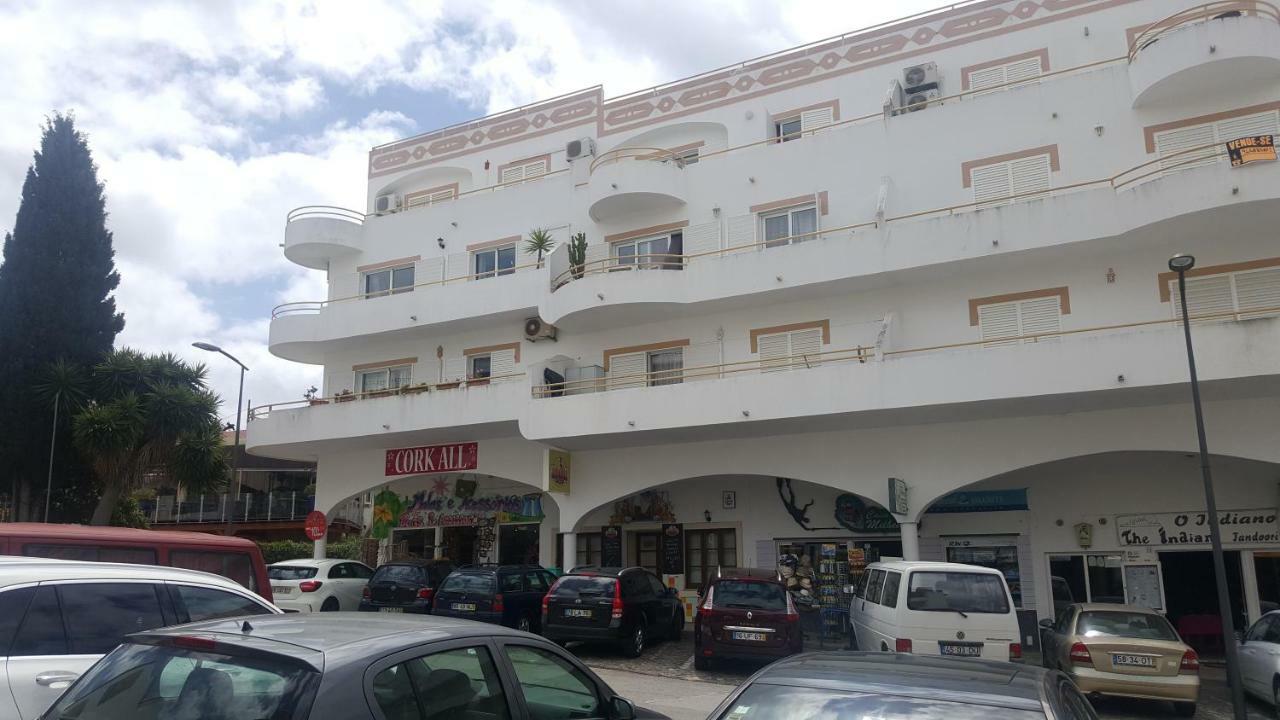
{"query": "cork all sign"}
(432, 459)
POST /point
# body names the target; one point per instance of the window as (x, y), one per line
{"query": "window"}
(360, 571)
(1004, 323)
(42, 631)
(388, 281)
(450, 684)
(498, 364)
(537, 581)
(787, 129)
(707, 550)
(863, 579)
(656, 585)
(1095, 578)
(589, 549)
(874, 586)
(654, 367)
(105, 612)
(513, 582)
(750, 594)
(1178, 144)
(233, 565)
(964, 591)
(468, 582)
(130, 555)
(494, 261)
(1259, 630)
(1243, 293)
(1019, 177)
(790, 226)
(1145, 626)
(13, 605)
(663, 252)
(553, 688)
(210, 604)
(423, 198)
(790, 350)
(665, 366)
(479, 367)
(523, 170)
(1009, 72)
(891, 582)
(387, 378)
(792, 126)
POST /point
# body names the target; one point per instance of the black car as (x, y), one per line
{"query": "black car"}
(628, 606)
(898, 686)
(508, 595)
(405, 586)
(337, 666)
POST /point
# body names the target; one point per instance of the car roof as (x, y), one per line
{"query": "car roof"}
(965, 680)
(90, 533)
(1095, 607)
(311, 562)
(594, 570)
(751, 574)
(416, 562)
(905, 565)
(18, 570)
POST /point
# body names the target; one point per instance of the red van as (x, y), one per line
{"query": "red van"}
(231, 557)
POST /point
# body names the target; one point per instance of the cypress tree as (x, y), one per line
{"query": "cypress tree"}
(55, 304)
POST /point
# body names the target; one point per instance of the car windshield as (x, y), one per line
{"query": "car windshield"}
(405, 574)
(290, 572)
(468, 582)
(1115, 623)
(144, 681)
(749, 594)
(585, 585)
(963, 591)
(762, 701)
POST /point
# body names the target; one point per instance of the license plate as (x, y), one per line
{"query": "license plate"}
(281, 590)
(961, 649)
(1134, 660)
(395, 610)
(753, 636)
(578, 613)
(463, 607)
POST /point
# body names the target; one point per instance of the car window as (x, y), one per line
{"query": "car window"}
(584, 586)
(41, 632)
(1273, 632)
(99, 615)
(448, 685)
(202, 603)
(940, 591)
(655, 585)
(874, 586)
(1064, 620)
(91, 553)
(291, 572)
(468, 582)
(361, 571)
(234, 565)
(778, 702)
(513, 582)
(1072, 704)
(13, 605)
(339, 572)
(552, 687)
(403, 574)
(890, 596)
(537, 581)
(749, 595)
(862, 584)
(1116, 623)
(635, 586)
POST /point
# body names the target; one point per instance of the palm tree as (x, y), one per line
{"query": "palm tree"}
(63, 387)
(149, 413)
(539, 241)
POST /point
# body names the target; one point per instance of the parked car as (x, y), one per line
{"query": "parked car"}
(508, 595)
(58, 617)
(404, 586)
(744, 614)
(1260, 659)
(1125, 651)
(627, 606)
(231, 557)
(327, 666)
(901, 687)
(308, 585)
(935, 608)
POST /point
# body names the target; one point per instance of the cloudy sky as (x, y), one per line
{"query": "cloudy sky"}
(211, 120)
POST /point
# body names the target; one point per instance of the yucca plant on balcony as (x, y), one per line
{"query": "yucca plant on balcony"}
(540, 242)
(577, 253)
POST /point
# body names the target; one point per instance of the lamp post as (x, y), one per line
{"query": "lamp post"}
(1180, 264)
(53, 441)
(235, 448)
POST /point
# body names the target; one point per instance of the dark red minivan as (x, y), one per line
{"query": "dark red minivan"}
(745, 616)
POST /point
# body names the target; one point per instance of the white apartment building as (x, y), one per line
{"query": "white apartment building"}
(933, 250)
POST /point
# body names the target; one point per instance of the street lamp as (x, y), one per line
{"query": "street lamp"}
(1180, 264)
(235, 449)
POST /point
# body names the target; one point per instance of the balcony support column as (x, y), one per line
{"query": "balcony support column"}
(910, 540)
(320, 548)
(438, 551)
(570, 550)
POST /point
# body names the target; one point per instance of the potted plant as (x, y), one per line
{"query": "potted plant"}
(345, 396)
(414, 389)
(540, 242)
(577, 254)
(312, 396)
(448, 384)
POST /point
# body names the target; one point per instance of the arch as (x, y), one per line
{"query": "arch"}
(714, 136)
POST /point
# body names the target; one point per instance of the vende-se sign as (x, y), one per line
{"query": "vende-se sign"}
(432, 459)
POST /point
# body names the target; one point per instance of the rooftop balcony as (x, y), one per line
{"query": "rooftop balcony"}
(630, 181)
(315, 233)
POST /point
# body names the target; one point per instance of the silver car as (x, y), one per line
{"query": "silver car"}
(1260, 659)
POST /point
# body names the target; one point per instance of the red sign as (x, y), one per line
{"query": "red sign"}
(432, 459)
(316, 526)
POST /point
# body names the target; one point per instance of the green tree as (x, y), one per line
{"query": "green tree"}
(55, 303)
(540, 242)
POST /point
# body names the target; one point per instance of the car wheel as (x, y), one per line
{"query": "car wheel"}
(701, 663)
(330, 605)
(1184, 709)
(524, 625)
(634, 645)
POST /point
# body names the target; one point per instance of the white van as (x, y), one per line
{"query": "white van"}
(935, 608)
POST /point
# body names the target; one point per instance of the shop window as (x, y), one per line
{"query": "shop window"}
(494, 261)
(380, 379)
(1091, 578)
(706, 551)
(997, 553)
(793, 225)
(387, 281)
(589, 549)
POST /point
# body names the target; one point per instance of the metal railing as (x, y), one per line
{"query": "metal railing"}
(1200, 13)
(262, 411)
(648, 154)
(328, 212)
(227, 507)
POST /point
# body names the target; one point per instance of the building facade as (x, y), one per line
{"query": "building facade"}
(928, 258)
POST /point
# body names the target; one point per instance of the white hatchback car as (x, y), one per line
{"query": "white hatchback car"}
(1260, 659)
(318, 585)
(57, 617)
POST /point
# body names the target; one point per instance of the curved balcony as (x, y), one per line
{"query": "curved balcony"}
(315, 233)
(1215, 48)
(635, 180)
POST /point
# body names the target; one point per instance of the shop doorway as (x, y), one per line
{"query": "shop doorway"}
(1266, 567)
(414, 544)
(1191, 597)
(518, 544)
(458, 544)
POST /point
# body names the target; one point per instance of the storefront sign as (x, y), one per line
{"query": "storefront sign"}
(1139, 555)
(964, 541)
(673, 549)
(428, 509)
(853, 513)
(558, 471)
(966, 501)
(1084, 534)
(316, 525)
(1239, 527)
(897, 496)
(1254, 148)
(432, 459)
(610, 546)
(648, 506)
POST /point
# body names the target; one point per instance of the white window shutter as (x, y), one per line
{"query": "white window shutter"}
(806, 345)
(455, 368)
(442, 195)
(998, 322)
(701, 361)
(1174, 141)
(816, 118)
(1209, 295)
(775, 351)
(987, 77)
(1258, 290)
(990, 182)
(1029, 175)
(430, 270)
(1266, 123)
(515, 173)
(535, 168)
(702, 238)
(502, 365)
(628, 370)
(1040, 316)
(1020, 70)
(458, 265)
(741, 230)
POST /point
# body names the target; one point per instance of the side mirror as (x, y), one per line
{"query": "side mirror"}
(1047, 624)
(623, 709)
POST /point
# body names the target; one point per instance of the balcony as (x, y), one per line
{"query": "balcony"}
(1218, 48)
(630, 181)
(315, 233)
(221, 508)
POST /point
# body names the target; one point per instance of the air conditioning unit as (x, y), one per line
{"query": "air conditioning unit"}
(920, 99)
(577, 149)
(388, 203)
(919, 78)
(535, 329)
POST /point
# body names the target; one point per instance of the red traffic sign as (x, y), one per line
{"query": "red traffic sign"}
(317, 525)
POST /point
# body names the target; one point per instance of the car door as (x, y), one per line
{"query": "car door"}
(1255, 653)
(550, 684)
(642, 592)
(68, 626)
(453, 679)
(667, 601)
(342, 580)
(360, 574)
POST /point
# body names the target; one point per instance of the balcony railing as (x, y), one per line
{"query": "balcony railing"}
(644, 154)
(226, 507)
(1199, 14)
(326, 212)
(261, 411)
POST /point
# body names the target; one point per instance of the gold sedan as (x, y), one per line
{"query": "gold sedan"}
(1124, 651)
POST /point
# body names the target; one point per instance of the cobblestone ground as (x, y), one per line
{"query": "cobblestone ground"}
(675, 660)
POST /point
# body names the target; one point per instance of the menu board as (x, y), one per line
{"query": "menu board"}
(673, 549)
(1142, 586)
(611, 546)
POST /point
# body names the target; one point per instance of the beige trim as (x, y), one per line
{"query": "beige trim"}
(545, 157)
(1060, 292)
(1149, 132)
(833, 104)
(967, 167)
(822, 203)
(646, 232)
(1042, 53)
(384, 364)
(1165, 277)
(810, 199)
(665, 345)
(510, 239)
(389, 264)
(430, 191)
(757, 332)
(490, 348)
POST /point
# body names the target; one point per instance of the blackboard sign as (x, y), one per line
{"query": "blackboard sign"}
(611, 546)
(673, 549)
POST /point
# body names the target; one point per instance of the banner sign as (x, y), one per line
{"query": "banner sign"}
(427, 509)
(673, 549)
(1239, 527)
(967, 501)
(558, 471)
(610, 547)
(897, 496)
(853, 513)
(432, 459)
(1254, 148)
